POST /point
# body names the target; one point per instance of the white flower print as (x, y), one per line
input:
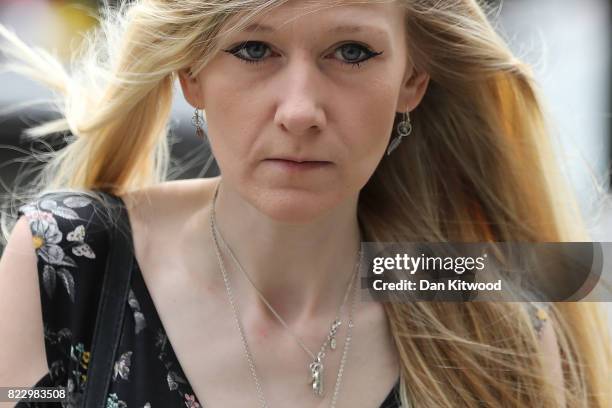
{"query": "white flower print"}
(139, 319)
(113, 401)
(76, 201)
(50, 275)
(82, 249)
(122, 366)
(47, 238)
(174, 379)
(190, 401)
(63, 212)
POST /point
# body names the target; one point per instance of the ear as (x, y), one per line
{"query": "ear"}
(413, 90)
(191, 88)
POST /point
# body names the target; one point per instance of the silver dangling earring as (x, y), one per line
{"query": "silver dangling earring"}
(404, 128)
(197, 122)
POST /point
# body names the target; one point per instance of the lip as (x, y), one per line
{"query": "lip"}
(297, 159)
(298, 165)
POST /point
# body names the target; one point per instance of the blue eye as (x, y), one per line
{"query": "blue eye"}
(250, 51)
(253, 52)
(354, 54)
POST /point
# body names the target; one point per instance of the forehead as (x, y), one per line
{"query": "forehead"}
(380, 17)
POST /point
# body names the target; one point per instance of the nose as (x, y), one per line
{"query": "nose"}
(301, 92)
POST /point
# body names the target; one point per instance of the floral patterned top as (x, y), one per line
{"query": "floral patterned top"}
(71, 241)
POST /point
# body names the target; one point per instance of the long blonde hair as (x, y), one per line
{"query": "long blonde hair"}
(479, 168)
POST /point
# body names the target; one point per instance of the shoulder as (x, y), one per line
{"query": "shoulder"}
(165, 197)
(67, 220)
(161, 210)
(69, 235)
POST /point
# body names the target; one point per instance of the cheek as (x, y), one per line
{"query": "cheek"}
(369, 127)
(229, 115)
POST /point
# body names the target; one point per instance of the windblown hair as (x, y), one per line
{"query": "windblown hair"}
(479, 168)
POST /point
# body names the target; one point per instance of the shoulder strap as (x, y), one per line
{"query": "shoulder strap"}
(111, 309)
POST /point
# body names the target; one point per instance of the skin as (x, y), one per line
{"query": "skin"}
(296, 234)
(303, 99)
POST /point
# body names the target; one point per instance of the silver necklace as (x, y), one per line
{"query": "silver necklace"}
(316, 367)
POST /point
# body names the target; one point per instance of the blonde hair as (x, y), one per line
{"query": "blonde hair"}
(479, 168)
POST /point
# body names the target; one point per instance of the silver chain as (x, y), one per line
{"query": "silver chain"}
(347, 344)
(235, 311)
(316, 366)
(335, 324)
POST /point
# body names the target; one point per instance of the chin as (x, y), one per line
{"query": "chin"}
(295, 206)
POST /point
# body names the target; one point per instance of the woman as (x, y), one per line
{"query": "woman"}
(237, 279)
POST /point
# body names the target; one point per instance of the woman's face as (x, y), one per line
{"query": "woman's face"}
(312, 84)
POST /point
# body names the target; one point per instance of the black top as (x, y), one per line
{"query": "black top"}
(70, 236)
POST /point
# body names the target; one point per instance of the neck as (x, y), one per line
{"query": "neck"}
(302, 270)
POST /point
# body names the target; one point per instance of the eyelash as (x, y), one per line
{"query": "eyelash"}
(235, 52)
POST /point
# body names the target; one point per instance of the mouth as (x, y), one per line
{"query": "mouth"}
(298, 164)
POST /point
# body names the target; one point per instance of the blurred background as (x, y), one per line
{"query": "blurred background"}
(567, 42)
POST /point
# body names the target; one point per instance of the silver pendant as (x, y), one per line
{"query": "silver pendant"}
(394, 144)
(316, 378)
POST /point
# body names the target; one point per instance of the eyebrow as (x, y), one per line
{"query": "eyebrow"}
(343, 29)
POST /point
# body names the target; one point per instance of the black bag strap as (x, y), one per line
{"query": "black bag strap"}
(111, 308)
